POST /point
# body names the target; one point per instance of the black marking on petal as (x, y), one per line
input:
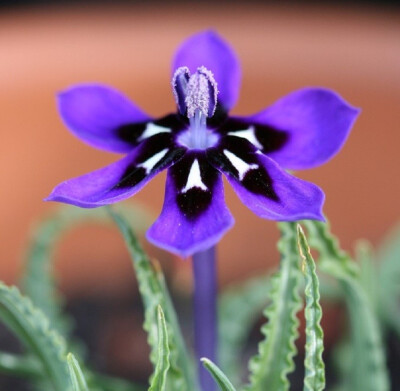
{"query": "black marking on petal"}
(135, 173)
(195, 201)
(131, 177)
(240, 147)
(130, 133)
(219, 160)
(255, 180)
(270, 138)
(219, 117)
(259, 182)
(175, 122)
(152, 146)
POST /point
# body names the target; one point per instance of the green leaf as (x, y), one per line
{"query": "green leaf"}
(158, 381)
(38, 281)
(342, 359)
(332, 258)
(239, 308)
(77, 379)
(108, 383)
(21, 366)
(368, 271)
(153, 290)
(389, 280)
(314, 379)
(31, 326)
(220, 378)
(270, 368)
(368, 369)
(30, 368)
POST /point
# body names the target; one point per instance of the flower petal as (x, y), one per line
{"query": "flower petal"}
(208, 49)
(102, 117)
(265, 188)
(121, 179)
(194, 215)
(304, 129)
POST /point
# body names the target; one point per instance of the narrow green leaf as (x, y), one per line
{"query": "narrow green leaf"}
(220, 378)
(31, 326)
(314, 379)
(389, 280)
(368, 370)
(107, 383)
(77, 379)
(342, 361)
(158, 381)
(30, 368)
(332, 258)
(18, 365)
(154, 293)
(239, 308)
(38, 281)
(270, 368)
(368, 271)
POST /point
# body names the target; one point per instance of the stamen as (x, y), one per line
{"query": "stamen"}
(198, 129)
(196, 97)
(179, 87)
(201, 93)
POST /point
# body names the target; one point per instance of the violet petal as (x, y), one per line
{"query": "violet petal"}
(316, 123)
(121, 179)
(266, 189)
(101, 116)
(208, 49)
(194, 216)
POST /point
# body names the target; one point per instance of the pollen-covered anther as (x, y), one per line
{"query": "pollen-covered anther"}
(179, 83)
(201, 93)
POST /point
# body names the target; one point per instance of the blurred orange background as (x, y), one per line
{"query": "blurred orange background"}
(355, 51)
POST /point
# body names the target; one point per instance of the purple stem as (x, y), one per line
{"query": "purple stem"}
(205, 313)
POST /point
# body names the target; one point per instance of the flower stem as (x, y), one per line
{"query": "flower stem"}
(205, 312)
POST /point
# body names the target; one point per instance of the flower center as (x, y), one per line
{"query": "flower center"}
(196, 98)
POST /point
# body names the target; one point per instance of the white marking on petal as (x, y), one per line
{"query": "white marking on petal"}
(150, 163)
(194, 178)
(153, 129)
(249, 134)
(241, 166)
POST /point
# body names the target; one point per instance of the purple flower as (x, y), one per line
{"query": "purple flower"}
(200, 142)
